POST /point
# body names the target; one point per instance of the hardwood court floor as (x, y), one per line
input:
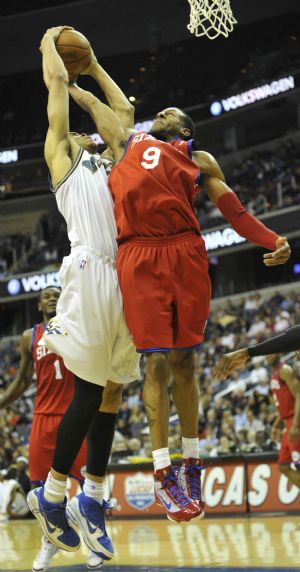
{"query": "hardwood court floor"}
(255, 543)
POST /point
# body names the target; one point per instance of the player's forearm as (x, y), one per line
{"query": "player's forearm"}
(85, 99)
(244, 223)
(114, 95)
(107, 123)
(14, 391)
(53, 66)
(287, 342)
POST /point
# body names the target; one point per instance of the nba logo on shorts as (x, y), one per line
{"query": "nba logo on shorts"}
(82, 264)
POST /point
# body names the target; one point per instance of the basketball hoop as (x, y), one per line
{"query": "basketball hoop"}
(211, 18)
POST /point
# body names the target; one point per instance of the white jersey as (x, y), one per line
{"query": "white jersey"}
(84, 200)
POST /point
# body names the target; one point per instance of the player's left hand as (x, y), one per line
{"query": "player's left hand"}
(229, 363)
(294, 434)
(280, 255)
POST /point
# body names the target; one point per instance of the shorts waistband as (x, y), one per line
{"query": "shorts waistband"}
(161, 240)
(94, 252)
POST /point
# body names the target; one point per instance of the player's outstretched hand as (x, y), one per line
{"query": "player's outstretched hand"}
(280, 255)
(229, 363)
(92, 65)
(53, 33)
(294, 434)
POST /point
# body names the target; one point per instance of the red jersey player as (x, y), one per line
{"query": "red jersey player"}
(54, 392)
(163, 274)
(285, 388)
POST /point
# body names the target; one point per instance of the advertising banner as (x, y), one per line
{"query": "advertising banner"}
(234, 487)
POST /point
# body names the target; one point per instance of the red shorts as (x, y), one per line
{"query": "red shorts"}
(289, 450)
(42, 446)
(166, 290)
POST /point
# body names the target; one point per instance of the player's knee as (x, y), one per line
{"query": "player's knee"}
(182, 360)
(112, 397)
(157, 365)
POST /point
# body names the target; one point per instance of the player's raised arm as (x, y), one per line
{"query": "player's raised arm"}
(240, 219)
(287, 374)
(57, 145)
(107, 123)
(116, 98)
(25, 373)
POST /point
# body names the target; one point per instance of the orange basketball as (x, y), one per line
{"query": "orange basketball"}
(74, 49)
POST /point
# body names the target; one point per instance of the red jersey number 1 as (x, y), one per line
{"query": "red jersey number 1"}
(151, 158)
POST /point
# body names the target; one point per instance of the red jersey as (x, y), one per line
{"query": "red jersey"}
(55, 383)
(154, 187)
(284, 400)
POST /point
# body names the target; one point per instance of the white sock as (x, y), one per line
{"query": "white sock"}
(94, 490)
(55, 490)
(161, 458)
(190, 448)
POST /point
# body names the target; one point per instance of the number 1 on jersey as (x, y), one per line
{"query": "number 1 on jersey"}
(58, 374)
(151, 158)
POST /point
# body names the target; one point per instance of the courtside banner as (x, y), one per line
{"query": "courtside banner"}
(235, 486)
(269, 490)
(224, 489)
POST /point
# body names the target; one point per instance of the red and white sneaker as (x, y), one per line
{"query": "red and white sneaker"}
(189, 480)
(170, 496)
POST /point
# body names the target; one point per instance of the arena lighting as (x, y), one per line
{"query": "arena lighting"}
(144, 126)
(253, 95)
(9, 156)
(296, 268)
(222, 239)
(14, 287)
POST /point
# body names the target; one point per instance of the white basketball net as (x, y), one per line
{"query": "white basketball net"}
(211, 18)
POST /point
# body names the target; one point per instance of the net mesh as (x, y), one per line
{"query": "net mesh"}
(211, 18)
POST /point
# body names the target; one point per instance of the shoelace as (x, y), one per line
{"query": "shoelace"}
(194, 481)
(175, 491)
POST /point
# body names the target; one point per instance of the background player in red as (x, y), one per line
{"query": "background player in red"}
(285, 387)
(55, 388)
(163, 274)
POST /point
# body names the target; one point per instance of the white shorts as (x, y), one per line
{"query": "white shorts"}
(89, 330)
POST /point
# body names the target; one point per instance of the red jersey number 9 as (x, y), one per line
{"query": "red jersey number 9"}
(151, 158)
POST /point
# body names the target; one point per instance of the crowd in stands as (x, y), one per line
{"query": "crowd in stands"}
(236, 415)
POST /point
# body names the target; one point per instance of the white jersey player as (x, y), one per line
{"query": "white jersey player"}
(89, 330)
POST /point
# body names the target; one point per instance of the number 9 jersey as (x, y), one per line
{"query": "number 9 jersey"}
(154, 187)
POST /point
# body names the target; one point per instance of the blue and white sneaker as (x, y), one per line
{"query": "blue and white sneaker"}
(94, 562)
(88, 514)
(53, 520)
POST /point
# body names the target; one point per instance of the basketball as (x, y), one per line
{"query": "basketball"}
(74, 49)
